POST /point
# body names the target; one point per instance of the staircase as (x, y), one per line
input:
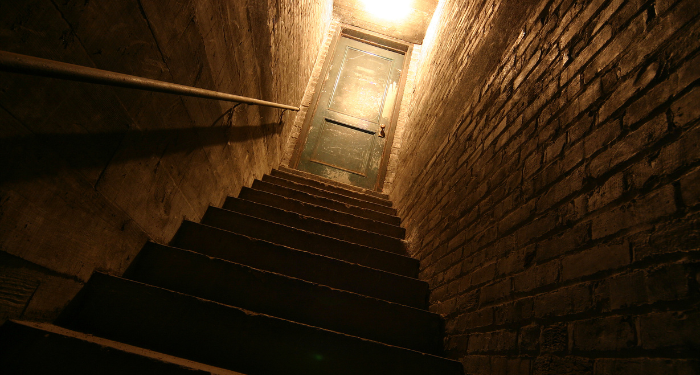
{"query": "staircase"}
(298, 275)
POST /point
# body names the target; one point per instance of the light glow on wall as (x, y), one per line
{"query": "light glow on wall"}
(390, 10)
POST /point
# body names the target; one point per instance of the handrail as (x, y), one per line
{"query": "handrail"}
(16, 63)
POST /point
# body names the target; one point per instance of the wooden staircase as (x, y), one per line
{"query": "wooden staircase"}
(298, 275)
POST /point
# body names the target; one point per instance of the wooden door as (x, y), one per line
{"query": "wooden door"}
(347, 135)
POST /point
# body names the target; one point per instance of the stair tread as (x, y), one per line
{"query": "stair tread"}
(287, 297)
(312, 242)
(331, 188)
(206, 331)
(319, 226)
(313, 177)
(46, 348)
(330, 195)
(301, 264)
(321, 212)
(298, 275)
(312, 224)
(326, 202)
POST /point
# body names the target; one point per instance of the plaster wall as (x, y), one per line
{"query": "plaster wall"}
(89, 172)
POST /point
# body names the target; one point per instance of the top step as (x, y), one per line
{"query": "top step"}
(357, 202)
(330, 185)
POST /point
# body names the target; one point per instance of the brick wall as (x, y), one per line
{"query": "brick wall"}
(89, 172)
(552, 190)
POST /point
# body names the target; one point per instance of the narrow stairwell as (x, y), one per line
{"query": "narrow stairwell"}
(298, 275)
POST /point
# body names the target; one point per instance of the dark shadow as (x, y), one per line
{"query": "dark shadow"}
(30, 157)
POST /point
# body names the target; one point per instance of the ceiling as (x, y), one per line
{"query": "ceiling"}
(410, 28)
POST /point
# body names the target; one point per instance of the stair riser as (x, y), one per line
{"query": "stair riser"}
(331, 188)
(297, 239)
(314, 225)
(307, 266)
(321, 212)
(328, 203)
(329, 194)
(292, 299)
(231, 338)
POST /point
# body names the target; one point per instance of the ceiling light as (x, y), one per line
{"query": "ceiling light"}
(392, 10)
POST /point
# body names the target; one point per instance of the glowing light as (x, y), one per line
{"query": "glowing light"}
(392, 10)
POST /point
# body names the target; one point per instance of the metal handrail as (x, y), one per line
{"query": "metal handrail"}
(16, 63)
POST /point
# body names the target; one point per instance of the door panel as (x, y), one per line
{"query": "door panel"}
(346, 139)
(344, 147)
(361, 85)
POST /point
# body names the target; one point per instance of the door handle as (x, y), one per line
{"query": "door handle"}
(381, 131)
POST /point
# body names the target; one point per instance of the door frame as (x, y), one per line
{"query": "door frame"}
(377, 40)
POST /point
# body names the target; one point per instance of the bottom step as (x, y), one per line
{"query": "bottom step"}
(233, 338)
(40, 348)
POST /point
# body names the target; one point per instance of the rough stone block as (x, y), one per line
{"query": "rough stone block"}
(673, 236)
(495, 291)
(566, 242)
(479, 318)
(563, 301)
(554, 338)
(656, 204)
(673, 330)
(600, 137)
(536, 277)
(513, 312)
(628, 290)
(555, 365)
(669, 282)
(690, 188)
(628, 147)
(645, 366)
(610, 190)
(686, 110)
(604, 334)
(600, 258)
(496, 341)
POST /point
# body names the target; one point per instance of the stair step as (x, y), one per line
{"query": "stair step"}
(312, 242)
(331, 188)
(287, 298)
(42, 348)
(320, 212)
(311, 224)
(328, 203)
(233, 338)
(313, 177)
(315, 268)
(329, 194)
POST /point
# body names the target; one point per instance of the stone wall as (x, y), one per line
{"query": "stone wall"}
(89, 173)
(550, 184)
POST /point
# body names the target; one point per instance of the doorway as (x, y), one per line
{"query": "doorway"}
(348, 133)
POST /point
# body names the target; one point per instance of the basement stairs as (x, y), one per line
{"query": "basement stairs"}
(298, 275)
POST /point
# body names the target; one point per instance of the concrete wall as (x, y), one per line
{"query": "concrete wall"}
(89, 173)
(307, 99)
(550, 184)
